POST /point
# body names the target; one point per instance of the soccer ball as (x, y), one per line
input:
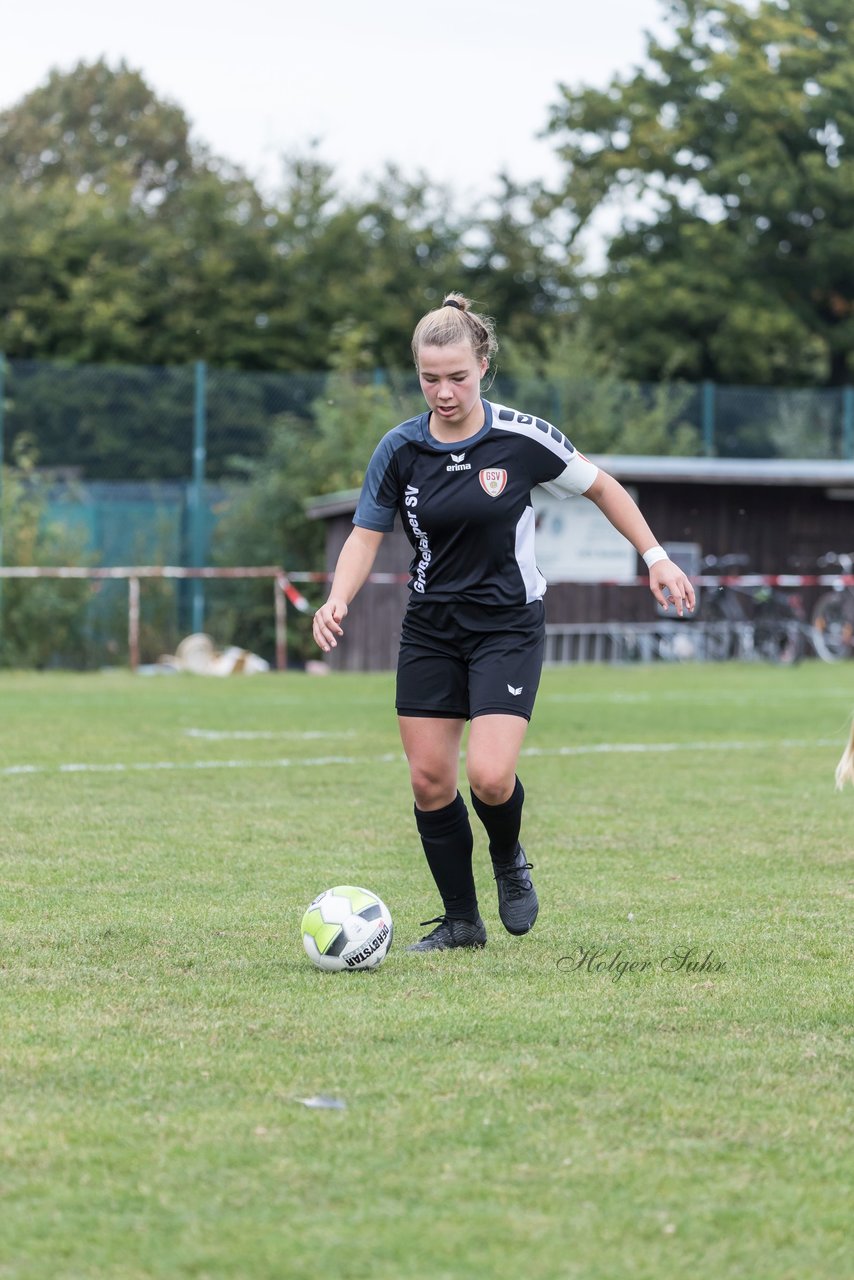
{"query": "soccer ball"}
(347, 928)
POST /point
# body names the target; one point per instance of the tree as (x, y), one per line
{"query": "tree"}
(380, 261)
(518, 266)
(96, 127)
(122, 240)
(210, 280)
(69, 274)
(365, 262)
(265, 521)
(733, 143)
(41, 618)
(576, 386)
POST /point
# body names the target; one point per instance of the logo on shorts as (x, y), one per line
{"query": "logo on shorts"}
(493, 481)
(515, 692)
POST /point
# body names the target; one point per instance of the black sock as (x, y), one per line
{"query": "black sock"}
(447, 840)
(503, 823)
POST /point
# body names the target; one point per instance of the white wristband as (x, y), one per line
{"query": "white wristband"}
(653, 556)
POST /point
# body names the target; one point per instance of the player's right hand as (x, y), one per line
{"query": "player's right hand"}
(327, 624)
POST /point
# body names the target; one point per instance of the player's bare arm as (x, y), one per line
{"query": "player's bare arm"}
(666, 580)
(354, 564)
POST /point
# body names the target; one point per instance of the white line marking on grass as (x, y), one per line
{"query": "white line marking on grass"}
(395, 757)
(643, 748)
(250, 735)
(687, 696)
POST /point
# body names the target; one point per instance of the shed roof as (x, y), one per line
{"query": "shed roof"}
(812, 472)
(805, 472)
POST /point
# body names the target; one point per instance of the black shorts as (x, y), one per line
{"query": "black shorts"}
(461, 660)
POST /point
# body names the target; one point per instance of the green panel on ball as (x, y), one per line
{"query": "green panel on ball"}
(316, 927)
(358, 897)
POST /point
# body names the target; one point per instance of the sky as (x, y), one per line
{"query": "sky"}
(457, 89)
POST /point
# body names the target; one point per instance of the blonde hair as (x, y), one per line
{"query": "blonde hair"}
(455, 322)
(845, 768)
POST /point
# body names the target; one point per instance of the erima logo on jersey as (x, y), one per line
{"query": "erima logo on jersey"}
(457, 463)
(515, 692)
(493, 481)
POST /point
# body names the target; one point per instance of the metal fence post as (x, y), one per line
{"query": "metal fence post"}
(197, 495)
(708, 418)
(280, 606)
(133, 622)
(848, 422)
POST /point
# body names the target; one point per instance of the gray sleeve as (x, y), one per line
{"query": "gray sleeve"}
(377, 503)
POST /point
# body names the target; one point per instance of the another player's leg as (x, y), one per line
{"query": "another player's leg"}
(498, 797)
(432, 747)
(845, 768)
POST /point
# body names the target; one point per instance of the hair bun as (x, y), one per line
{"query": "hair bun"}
(453, 321)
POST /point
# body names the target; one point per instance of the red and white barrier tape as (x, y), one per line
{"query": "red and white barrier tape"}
(286, 581)
(776, 580)
(703, 580)
(296, 598)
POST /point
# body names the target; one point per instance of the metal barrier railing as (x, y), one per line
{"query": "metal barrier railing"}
(619, 642)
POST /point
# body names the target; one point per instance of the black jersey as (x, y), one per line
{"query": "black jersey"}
(466, 507)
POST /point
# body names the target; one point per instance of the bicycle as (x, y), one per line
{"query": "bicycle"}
(772, 630)
(833, 615)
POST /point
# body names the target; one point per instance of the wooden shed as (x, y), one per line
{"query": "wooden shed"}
(781, 514)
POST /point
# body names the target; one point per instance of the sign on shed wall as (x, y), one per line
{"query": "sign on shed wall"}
(576, 543)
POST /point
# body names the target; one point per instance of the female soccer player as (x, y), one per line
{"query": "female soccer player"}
(460, 476)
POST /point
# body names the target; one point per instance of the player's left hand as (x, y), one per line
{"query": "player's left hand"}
(668, 583)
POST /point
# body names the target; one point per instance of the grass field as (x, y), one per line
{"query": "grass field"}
(655, 1083)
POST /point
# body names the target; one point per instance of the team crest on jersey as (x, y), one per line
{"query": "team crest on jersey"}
(493, 481)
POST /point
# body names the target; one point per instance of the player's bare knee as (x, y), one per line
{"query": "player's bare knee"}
(431, 789)
(490, 785)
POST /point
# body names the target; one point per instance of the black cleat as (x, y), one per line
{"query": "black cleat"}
(517, 898)
(451, 933)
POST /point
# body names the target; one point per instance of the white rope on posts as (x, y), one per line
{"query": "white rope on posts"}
(282, 587)
(285, 592)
